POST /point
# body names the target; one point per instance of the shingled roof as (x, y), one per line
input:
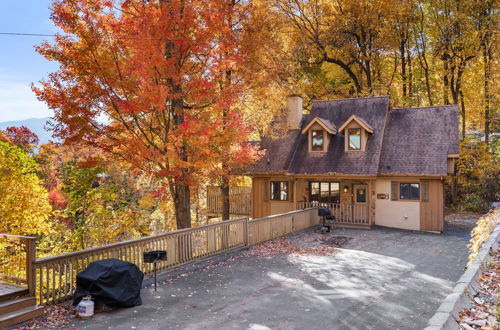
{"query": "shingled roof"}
(404, 141)
(418, 140)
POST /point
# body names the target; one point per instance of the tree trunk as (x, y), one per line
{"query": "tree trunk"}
(225, 113)
(403, 68)
(181, 196)
(487, 96)
(462, 109)
(428, 86)
(410, 77)
(347, 70)
(179, 188)
(446, 82)
(225, 198)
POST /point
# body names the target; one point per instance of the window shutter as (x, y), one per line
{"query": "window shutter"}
(266, 190)
(424, 191)
(290, 193)
(394, 191)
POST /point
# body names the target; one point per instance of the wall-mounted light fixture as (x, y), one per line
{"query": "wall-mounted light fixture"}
(346, 189)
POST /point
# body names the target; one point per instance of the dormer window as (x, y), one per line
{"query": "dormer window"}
(356, 132)
(317, 140)
(354, 136)
(319, 132)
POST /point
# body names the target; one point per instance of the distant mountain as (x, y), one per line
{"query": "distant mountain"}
(35, 124)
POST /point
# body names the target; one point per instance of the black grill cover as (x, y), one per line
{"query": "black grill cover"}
(112, 282)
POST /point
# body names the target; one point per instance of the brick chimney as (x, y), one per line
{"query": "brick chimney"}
(294, 111)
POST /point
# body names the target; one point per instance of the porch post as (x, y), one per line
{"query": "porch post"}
(295, 197)
(371, 203)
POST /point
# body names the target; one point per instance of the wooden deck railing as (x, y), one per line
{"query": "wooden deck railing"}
(267, 228)
(240, 200)
(56, 276)
(345, 214)
(17, 254)
(53, 279)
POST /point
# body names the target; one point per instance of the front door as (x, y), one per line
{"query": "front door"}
(360, 200)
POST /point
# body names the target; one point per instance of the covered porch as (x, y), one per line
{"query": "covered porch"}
(351, 200)
(346, 215)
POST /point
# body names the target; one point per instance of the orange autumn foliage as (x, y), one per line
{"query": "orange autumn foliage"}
(139, 79)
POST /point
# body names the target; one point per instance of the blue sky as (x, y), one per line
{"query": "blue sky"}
(20, 65)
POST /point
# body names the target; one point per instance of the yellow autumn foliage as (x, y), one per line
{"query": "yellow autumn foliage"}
(481, 233)
(24, 206)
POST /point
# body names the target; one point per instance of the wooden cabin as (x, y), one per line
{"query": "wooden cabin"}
(370, 164)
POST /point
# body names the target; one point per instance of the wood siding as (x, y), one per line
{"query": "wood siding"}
(432, 211)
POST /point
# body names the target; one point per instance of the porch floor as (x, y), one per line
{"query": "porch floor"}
(380, 279)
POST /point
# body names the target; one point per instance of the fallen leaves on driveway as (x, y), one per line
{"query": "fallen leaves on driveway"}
(485, 312)
(57, 316)
(283, 246)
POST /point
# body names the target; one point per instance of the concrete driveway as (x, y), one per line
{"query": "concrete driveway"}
(380, 279)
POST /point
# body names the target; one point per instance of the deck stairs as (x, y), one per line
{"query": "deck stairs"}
(16, 305)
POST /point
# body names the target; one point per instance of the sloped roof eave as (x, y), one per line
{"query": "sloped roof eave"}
(326, 124)
(360, 121)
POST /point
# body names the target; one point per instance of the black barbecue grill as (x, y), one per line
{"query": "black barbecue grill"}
(327, 219)
(154, 257)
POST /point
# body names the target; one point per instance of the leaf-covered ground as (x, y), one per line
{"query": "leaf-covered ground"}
(62, 315)
(57, 316)
(485, 313)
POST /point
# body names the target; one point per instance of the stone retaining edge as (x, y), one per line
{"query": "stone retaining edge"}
(465, 289)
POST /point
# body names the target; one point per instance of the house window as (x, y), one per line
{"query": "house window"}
(409, 191)
(317, 140)
(324, 192)
(279, 190)
(354, 135)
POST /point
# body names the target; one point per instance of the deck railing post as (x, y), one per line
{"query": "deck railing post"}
(245, 231)
(30, 243)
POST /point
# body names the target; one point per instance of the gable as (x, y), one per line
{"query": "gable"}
(357, 120)
(317, 122)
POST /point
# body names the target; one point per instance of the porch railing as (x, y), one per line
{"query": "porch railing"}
(17, 254)
(345, 214)
(240, 200)
(56, 276)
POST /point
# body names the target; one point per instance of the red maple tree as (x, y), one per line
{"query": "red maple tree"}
(21, 136)
(139, 79)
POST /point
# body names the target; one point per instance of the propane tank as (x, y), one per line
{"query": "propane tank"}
(86, 308)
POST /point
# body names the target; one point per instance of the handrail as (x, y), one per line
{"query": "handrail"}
(55, 276)
(129, 242)
(17, 237)
(280, 214)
